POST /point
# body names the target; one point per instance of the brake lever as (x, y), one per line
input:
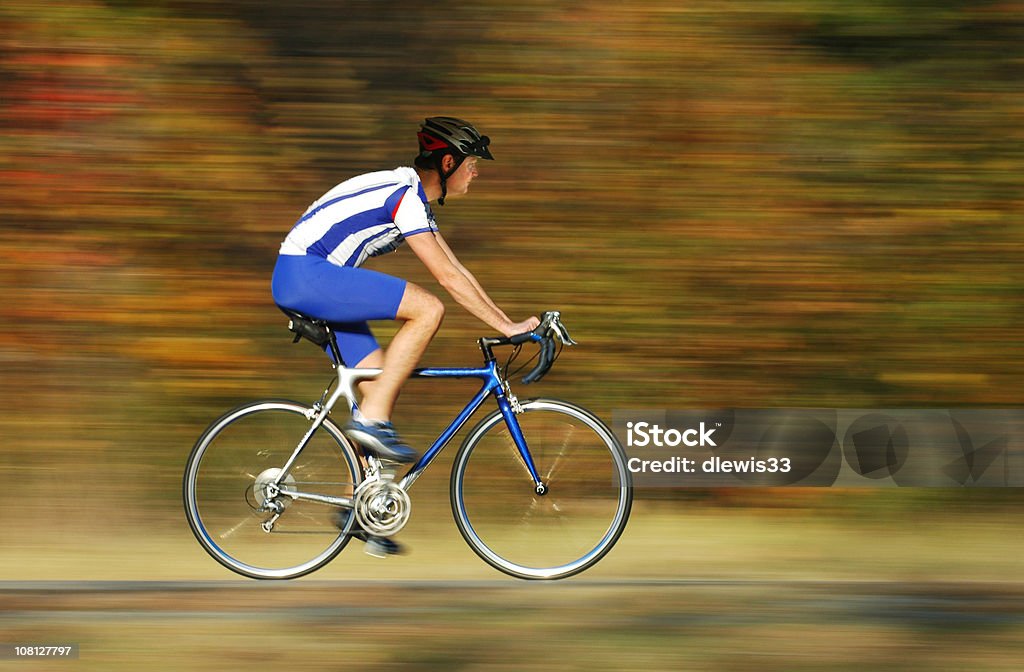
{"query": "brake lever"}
(549, 329)
(552, 322)
(563, 334)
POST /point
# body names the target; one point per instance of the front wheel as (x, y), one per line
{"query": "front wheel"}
(245, 521)
(542, 536)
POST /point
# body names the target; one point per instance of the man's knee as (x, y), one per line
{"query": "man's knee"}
(419, 304)
(435, 311)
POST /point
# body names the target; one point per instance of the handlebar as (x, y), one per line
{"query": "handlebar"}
(547, 332)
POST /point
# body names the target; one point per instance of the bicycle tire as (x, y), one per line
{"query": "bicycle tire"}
(223, 477)
(551, 536)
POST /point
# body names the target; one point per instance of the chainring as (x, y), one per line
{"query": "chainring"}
(382, 508)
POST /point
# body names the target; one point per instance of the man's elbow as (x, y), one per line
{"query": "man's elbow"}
(452, 281)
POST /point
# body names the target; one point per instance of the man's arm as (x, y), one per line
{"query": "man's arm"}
(469, 276)
(442, 263)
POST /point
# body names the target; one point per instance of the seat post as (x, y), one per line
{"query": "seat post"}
(333, 345)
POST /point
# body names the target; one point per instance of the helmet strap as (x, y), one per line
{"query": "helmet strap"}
(459, 158)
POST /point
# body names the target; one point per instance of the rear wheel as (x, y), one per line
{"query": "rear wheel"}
(245, 521)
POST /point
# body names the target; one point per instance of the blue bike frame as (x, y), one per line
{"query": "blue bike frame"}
(492, 385)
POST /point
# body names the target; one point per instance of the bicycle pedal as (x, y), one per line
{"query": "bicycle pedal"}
(382, 547)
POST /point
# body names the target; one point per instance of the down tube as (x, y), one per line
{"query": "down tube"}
(445, 437)
(512, 422)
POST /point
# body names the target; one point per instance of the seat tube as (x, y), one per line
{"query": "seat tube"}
(512, 422)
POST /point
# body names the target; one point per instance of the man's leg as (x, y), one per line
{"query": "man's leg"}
(421, 313)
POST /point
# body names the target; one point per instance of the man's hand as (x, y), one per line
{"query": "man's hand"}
(526, 325)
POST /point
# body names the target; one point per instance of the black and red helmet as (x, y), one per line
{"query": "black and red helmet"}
(448, 135)
(441, 136)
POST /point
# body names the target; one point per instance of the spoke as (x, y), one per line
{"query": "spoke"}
(309, 517)
(561, 452)
(554, 513)
(228, 533)
(510, 444)
(228, 458)
(539, 536)
(528, 513)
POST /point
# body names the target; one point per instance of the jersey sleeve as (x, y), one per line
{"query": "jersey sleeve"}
(410, 214)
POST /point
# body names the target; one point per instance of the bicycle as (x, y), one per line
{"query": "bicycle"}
(539, 488)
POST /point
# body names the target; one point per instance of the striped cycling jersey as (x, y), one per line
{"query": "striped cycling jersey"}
(363, 217)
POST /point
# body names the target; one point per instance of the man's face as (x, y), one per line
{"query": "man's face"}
(458, 183)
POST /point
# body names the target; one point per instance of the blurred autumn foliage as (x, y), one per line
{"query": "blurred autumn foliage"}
(769, 203)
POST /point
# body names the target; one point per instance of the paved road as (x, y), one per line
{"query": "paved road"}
(591, 624)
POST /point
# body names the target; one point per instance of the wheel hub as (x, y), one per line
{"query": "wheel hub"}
(268, 495)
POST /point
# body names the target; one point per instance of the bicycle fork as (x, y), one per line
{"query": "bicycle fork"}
(510, 407)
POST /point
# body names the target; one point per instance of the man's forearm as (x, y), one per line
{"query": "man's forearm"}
(470, 295)
(486, 297)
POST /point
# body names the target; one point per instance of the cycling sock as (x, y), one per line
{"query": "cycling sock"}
(363, 420)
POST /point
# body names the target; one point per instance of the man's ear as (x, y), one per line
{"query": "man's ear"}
(447, 163)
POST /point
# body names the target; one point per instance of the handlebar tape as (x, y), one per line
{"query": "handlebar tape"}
(547, 350)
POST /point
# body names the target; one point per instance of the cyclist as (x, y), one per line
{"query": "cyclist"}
(318, 271)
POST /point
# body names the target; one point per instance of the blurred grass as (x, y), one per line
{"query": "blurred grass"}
(664, 540)
(779, 203)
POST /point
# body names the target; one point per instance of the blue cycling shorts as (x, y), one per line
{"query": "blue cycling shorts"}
(345, 297)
